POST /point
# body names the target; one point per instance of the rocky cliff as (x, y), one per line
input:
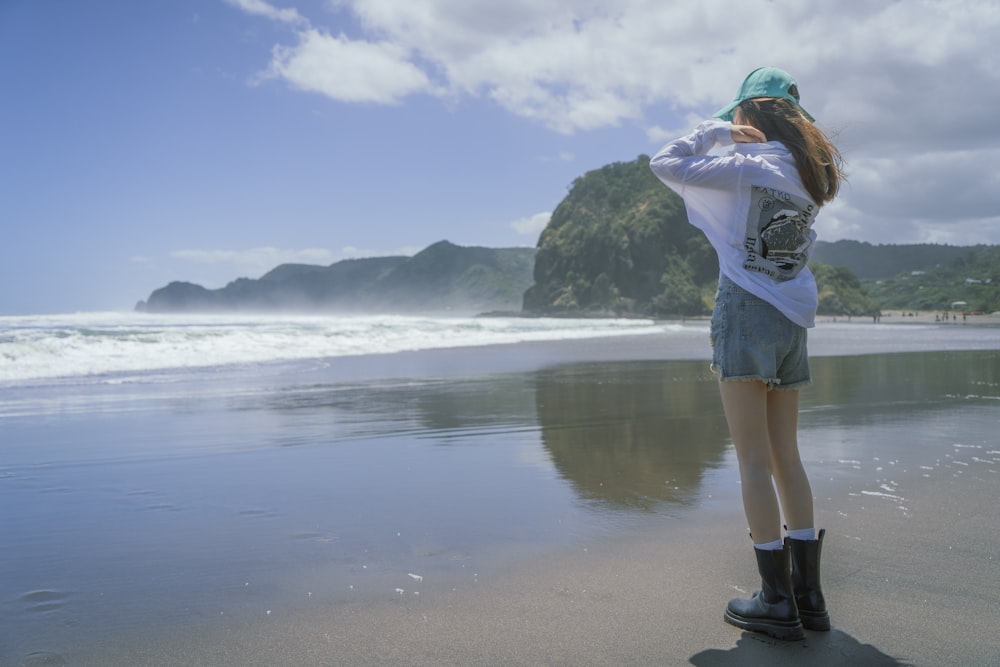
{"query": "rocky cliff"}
(620, 243)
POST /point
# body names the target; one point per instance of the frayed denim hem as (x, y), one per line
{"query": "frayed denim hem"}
(770, 383)
(794, 385)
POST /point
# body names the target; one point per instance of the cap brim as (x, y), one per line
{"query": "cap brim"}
(726, 112)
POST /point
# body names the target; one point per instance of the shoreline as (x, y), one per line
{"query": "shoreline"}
(666, 339)
(897, 316)
(827, 339)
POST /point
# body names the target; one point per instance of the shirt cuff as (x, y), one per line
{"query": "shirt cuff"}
(721, 131)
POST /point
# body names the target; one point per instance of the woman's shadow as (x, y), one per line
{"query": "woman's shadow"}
(820, 649)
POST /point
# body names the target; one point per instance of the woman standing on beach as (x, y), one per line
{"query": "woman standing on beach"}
(756, 205)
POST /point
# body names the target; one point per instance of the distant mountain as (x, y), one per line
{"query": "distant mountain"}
(441, 278)
(877, 262)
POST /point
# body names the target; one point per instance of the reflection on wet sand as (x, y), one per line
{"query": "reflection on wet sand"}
(632, 434)
(894, 382)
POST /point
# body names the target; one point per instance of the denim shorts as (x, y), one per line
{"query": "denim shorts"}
(753, 340)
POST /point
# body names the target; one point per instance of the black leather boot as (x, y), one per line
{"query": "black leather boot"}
(805, 582)
(772, 609)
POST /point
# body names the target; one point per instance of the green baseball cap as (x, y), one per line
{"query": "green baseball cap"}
(765, 82)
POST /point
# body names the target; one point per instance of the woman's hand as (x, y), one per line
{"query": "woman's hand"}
(747, 134)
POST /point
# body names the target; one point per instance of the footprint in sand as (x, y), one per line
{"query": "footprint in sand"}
(314, 537)
(43, 659)
(43, 601)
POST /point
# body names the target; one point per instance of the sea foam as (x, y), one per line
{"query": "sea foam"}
(88, 344)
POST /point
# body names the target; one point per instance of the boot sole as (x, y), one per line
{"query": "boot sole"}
(817, 621)
(784, 630)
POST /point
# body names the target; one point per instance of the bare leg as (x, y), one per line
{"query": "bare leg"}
(747, 407)
(763, 427)
(786, 465)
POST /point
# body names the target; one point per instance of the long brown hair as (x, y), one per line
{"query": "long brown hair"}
(819, 162)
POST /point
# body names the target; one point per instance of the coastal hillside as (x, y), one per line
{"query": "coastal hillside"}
(620, 243)
(878, 262)
(441, 278)
(970, 283)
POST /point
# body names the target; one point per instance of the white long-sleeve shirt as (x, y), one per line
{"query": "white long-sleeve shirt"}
(752, 207)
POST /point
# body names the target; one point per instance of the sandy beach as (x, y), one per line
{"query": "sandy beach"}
(532, 504)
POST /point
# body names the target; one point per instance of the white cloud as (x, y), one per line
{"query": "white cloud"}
(562, 156)
(348, 70)
(931, 196)
(658, 135)
(584, 64)
(351, 252)
(257, 259)
(260, 260)
(910, 89)
(267, 10)
(533, 224)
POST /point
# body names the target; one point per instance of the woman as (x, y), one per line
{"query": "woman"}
(756, 205)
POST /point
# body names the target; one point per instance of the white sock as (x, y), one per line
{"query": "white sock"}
(802, 534)
(777, 545)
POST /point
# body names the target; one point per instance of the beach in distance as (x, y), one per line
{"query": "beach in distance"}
(453, 492)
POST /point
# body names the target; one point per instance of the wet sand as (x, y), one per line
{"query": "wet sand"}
(543, 504)
(896, 597)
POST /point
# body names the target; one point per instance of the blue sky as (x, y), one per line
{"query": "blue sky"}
(205, 140)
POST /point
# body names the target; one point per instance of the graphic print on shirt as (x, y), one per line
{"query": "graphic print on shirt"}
(779, 233)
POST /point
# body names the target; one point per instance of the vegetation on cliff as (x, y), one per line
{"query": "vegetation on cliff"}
(840, 292)
(620, 243)
(880, 261)
(969, 283)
